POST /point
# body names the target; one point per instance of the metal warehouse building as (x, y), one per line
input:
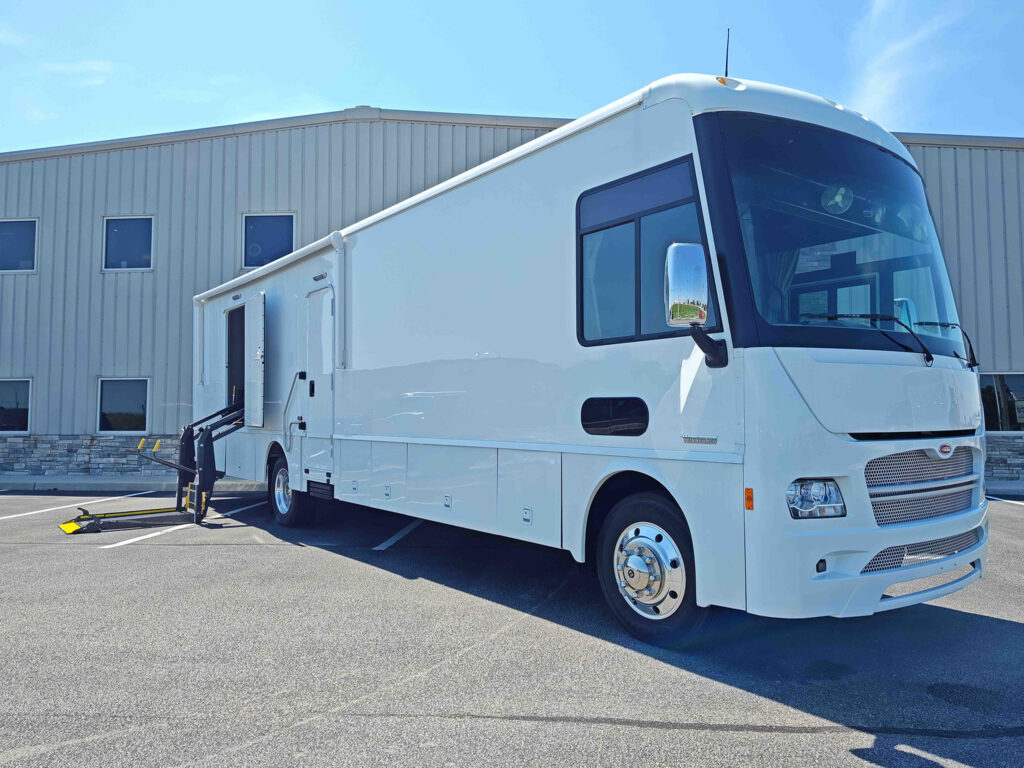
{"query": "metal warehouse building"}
(103, 245)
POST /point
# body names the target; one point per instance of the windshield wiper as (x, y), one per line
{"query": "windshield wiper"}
(972, 363)
(929, 358)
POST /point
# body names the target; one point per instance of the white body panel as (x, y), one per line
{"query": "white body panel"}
(457, 378)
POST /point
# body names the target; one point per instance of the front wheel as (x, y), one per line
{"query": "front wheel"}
(645, 568)
(290, 507)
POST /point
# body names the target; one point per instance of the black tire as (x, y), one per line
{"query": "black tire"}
(686, 623)
(292, 509)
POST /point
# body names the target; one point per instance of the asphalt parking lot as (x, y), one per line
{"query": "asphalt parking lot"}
(370, 640)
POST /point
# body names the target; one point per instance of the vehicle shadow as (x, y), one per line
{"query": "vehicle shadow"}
(925, 681)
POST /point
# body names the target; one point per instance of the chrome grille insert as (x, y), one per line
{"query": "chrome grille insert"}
(910, 486)
(905, 555)
(917, 466)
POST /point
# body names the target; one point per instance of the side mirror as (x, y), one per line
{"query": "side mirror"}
(686, 299)
(686, 285)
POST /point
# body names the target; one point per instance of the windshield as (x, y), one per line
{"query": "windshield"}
(833, 225)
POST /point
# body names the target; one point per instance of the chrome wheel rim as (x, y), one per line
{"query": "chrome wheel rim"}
(282, 491)
(648, 568)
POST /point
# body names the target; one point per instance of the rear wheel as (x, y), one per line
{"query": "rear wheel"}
(291, 508)
(645, 568)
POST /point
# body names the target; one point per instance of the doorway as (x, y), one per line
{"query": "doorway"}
(236, 356)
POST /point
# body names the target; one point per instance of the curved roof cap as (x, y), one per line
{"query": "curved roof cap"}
(705, 93)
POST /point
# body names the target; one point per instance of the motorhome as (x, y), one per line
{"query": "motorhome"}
(702, 338)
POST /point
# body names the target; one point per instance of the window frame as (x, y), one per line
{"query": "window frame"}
(638, 334)
(152, 243)
(246, 214)
(99, 405)
(1012, 432)
(28, 429)
(35, 249)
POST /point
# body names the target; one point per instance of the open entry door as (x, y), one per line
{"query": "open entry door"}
(255, 359)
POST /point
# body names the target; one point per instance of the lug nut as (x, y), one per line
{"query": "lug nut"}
(622, 583)
(648, 560)
(648, 592)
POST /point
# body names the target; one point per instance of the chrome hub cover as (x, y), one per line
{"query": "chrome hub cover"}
(282, 491)
(649, 570)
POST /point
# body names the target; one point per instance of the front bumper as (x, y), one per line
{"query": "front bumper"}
(843, 590)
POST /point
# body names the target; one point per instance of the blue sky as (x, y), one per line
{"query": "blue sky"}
(72, 71)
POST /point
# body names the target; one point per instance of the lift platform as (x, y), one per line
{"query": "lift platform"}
(197, 473)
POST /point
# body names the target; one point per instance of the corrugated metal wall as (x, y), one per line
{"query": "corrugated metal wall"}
(70, 323)
(974, 189)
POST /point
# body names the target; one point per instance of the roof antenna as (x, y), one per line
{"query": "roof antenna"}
(727, 30)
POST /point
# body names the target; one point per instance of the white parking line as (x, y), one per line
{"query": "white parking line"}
(1005, 501)
(162, 531)
(398, 536)
(147, 536)
(75, 504)
(231, 512)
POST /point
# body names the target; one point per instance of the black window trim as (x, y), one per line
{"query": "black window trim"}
(638, 334)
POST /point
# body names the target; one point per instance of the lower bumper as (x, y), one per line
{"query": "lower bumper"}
(796, 590)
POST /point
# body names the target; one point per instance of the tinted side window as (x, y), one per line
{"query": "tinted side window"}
(17, 245)
(625, 416)
(267, 237)
(624, 230)
(14, 397)
(658, 231)
(129, 244)
(609, 283)
(123, 405)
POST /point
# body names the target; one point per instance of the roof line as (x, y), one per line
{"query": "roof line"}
(337, 238)
(960, 140)
(352, 114)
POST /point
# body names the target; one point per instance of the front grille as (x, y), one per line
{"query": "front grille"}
(917, 467)
(892, 511)
(904, 555)
(907, 487)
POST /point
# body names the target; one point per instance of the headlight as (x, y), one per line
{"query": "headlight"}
(815, 498)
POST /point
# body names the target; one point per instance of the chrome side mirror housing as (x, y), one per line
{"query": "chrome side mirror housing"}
(686, 285)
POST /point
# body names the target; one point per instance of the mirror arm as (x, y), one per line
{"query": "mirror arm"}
(716, 354)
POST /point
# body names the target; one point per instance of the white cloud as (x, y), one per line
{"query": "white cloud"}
(79, 67)
(36, 114)
(191, 95)
(895, 56)
(11, 38)
(223, 80)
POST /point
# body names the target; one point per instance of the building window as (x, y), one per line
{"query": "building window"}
(14, 404)
(1002, 395)
(124, 405)
(624, 230)
(17, 245)
(128, 243)
(268, 236)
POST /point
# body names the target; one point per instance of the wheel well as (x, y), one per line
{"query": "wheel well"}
(275, 452)
(611, 492)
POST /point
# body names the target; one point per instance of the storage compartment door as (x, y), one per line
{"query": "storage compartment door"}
(318, 393)
(255, 358)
